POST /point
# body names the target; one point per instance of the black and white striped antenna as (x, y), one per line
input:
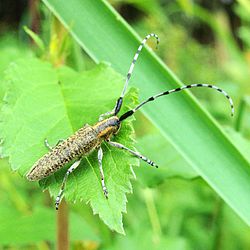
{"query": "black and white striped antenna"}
(131, 68)
(152, 98)
(119, 101)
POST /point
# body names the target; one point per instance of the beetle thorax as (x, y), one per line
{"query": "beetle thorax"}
(108, 127)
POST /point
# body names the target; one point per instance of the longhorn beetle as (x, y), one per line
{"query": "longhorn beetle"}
(88, 138)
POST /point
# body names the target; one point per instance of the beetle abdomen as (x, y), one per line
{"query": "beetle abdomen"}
(83, 142)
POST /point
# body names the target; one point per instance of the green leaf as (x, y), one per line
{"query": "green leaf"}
(240, 141)
(10, 50)
(44, 102)
(105, 36)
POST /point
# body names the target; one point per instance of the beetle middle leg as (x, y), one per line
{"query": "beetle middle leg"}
(100, 156)
(48, 146)
(69, 171)
(137, 154)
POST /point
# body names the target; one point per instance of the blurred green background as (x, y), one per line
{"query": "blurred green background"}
(202, 42)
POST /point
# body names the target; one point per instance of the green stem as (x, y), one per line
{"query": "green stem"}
(218, 222)
(241, 109)
(34, 15)
(62, 227)
(153, 216)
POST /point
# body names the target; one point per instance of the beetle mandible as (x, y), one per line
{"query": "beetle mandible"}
(89, 138)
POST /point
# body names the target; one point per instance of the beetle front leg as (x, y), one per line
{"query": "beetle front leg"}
(100, 156)
(102, 116)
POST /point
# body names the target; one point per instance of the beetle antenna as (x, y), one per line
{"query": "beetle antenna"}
(120, 99)
(132, 111)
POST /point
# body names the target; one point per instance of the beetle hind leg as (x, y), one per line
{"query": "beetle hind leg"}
(69, 171)
(48, 146)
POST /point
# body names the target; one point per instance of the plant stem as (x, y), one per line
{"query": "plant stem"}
(241, 110)
(62, 227)
(218, 223)
(35, 15)
(154, 219)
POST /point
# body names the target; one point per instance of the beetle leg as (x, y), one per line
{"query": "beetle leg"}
(47, 145)
(100, 155)
(137, 154)
(69, 171)
(101, 117)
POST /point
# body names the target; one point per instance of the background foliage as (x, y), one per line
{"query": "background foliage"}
(172, 207)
